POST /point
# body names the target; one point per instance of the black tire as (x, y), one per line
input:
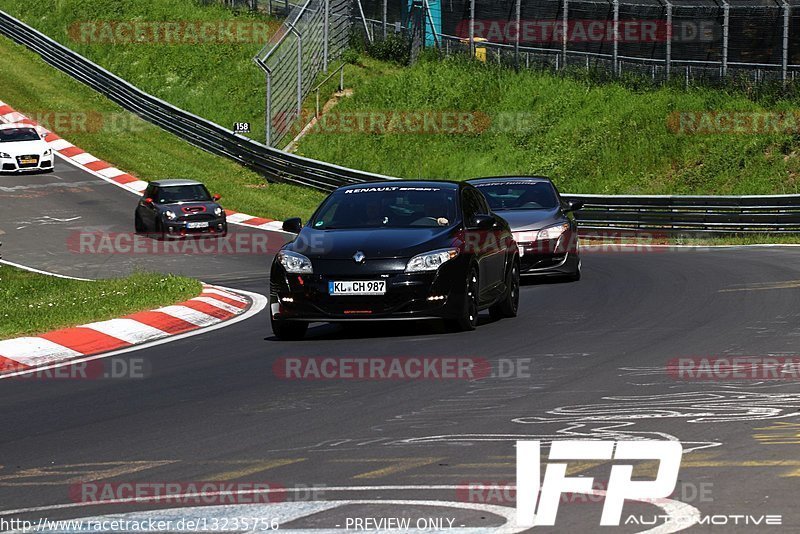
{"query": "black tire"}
(288, 330)
(468, 320)
(138, 225)
(508, 307)
(576, 274)
(160, 234)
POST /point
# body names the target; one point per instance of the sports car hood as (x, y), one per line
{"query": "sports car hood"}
(188, 208)
(521, 220)
(23, 148)
(373, 242)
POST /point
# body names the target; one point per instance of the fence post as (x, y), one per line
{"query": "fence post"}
(616, 37)
(564, 30)
(785, 60)
(471, 28)
(269, 108)
(726, 18)
(385, 16)
(668, 54)
(516, 37)
(325, 36)
(299, 73)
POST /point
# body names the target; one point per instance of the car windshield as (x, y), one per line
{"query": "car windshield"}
(10, 135)
(516, 195)
(183, 193)
(388, 207)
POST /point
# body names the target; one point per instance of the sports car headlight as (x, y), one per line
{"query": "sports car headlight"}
(4, 155)
(295, 263)
(430, 261)
(47, 152)
(218, 211)
(553, 232)
(169, 215)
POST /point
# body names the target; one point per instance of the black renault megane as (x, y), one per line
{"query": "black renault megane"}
(395, 250)
(542, 222)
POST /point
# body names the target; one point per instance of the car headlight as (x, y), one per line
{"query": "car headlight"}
(47, 152)
(169, 215)
(430, 261)
(4, 155)
(553, 232)
(295, 263)
(218, 211)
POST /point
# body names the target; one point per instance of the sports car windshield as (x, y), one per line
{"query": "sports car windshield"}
(11, 135)
(183, 193)
(513, 195)
(388, 207)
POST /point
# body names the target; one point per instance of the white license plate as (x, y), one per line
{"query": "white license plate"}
(197, 224)
(357, 287)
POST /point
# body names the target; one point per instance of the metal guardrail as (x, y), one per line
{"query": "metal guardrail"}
(690, 214)
(272, 163)
(769, 214)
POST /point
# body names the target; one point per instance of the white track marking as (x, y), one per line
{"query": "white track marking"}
(31, 269)
(35, 351)
(127, 330)
(189, 315)
(217, 304)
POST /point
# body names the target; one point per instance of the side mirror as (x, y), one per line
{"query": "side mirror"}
(575, 205)
(483, 222)
(293, 225)
(148, 201)
(216, 197)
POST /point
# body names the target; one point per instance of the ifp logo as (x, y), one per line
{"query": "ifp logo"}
(537, 502)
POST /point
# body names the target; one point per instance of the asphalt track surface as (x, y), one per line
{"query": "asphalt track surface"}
(212, 408)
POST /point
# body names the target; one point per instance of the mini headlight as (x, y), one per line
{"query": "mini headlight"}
(169, 215)
(4, 155)
(553, 232)
(218, 211)
(430, 261)
(295, 263)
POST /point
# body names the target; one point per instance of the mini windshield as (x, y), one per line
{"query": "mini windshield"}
(516, 195)
(388, 207)
(10, 135)
(183, 193)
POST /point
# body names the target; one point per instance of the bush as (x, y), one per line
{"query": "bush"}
(394, 48)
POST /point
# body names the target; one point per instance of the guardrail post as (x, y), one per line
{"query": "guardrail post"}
(726, 19)
(616, 37)
(785, 58)
(325, 37)
(564, 32)
(668, 54)
(385, 16)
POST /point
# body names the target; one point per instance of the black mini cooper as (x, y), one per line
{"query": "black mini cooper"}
(179, 208)
(395, 250)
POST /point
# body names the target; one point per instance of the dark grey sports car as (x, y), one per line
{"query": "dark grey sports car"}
(179, 208)
(542, 222)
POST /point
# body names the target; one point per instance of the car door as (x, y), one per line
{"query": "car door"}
(497, 245)
(482, 243)
(149, 211)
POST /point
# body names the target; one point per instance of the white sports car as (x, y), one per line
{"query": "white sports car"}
(23, 149)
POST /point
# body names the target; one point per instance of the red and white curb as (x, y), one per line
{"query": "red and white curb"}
(109, 173)
(215, 305)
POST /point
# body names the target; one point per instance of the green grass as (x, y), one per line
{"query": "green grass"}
(589, 138)
(32, 303)
(33, 87)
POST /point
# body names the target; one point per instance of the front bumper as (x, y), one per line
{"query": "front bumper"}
(21, 164)
(181, 228)
(553, 257)
(427, 295)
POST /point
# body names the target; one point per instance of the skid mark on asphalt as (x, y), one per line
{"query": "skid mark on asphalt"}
(250, 467)
(763, 286)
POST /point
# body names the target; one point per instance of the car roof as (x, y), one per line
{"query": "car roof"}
(175, 181)
(443, 184)
(510, 179)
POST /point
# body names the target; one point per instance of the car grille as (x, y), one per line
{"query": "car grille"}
(32, 157)
(197, 217)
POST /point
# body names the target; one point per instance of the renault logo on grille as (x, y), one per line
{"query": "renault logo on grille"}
(359, 257)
